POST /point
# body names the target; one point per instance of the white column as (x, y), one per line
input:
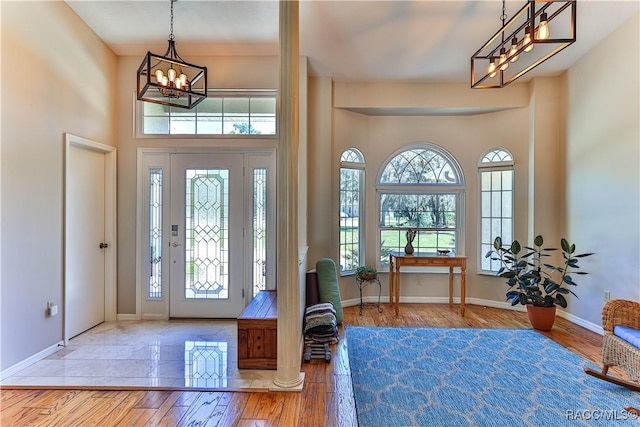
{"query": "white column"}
(288, 374)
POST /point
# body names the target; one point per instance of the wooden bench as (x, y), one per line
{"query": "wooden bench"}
(258, 333)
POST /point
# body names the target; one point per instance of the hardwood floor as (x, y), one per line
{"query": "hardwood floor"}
(326, 400)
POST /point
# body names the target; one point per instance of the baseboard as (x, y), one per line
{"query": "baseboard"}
(128, 317)
(581, 322)
(12, 370)
(155, 317)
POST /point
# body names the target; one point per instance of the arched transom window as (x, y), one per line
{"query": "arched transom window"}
(419, 166)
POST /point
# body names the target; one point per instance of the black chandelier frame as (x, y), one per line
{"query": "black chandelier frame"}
(186, 95)
(560, 10)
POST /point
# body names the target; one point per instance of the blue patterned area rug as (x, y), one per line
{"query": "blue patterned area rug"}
(404, 376)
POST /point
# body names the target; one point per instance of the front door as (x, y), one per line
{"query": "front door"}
(206, 235)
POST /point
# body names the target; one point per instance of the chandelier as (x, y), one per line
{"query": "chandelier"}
(528, 39)
(169, 80)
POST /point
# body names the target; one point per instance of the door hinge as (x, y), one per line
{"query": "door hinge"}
(243, 293)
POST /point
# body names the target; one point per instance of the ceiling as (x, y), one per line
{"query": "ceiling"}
(366, 41)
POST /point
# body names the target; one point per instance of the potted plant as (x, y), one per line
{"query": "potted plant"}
(366, 273)
(532, 282)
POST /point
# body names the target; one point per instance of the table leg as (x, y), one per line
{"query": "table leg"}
(450, 287)
(397, 286)
(379, 294)
(463, 290)
(391, 278)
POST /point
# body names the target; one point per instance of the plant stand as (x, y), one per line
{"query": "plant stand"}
(363, 283)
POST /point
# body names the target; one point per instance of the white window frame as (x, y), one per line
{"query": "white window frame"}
(497, 159)
(457, 189)
(357, 166)
(223, 93)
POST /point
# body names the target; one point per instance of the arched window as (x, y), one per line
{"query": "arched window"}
(352, 167)
(421, 188)
(495, 174)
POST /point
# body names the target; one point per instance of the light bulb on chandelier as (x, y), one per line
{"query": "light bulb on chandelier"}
(528, 42)
(172, 85)
(492, 70)
(504, 64)
(514, 50)
(543, 29)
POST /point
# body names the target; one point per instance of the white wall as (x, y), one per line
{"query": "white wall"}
(56, 79)
(603, 169)
(319, 170)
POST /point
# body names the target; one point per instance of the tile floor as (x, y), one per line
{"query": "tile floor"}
(181, 354)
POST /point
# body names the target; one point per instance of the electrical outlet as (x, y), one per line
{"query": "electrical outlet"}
(607, 295)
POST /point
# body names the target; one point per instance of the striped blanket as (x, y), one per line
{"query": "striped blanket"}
(320, 323)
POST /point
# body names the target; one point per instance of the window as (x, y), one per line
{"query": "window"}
(155, 233)
(351, 213)
(221, 113)
(495, 171)
(421, 188)
(259, 260)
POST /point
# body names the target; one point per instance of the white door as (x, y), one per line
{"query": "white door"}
(85, 240)
(206, 235)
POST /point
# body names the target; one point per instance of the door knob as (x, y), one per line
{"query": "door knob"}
(176, 244)
(104, 245)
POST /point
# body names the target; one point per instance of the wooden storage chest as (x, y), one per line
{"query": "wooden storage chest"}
(257, 333)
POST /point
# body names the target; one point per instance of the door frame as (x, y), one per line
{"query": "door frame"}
(110, 265)
(159, 157)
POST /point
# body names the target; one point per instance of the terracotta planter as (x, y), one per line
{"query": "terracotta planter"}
(541, 318)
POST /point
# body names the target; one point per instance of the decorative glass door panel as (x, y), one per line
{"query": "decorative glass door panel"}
(206, 235)
(207, 224)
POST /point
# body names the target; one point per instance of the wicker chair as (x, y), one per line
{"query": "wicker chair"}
(616, 351)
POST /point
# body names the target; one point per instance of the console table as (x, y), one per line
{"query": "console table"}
(399, 259)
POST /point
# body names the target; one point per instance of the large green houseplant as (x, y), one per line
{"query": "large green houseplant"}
(534, 282)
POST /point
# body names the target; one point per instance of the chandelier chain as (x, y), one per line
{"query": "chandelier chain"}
(171, 32)
(503, 17)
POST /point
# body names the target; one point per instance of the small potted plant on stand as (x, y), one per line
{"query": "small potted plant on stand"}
(534, 283)
(366, 273)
